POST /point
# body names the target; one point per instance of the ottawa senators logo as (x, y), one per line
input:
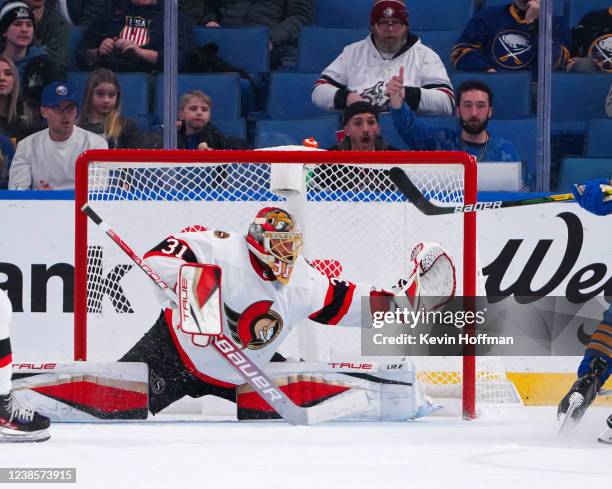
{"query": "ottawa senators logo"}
(256, 327)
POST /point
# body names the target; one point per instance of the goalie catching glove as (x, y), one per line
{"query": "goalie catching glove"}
(432, 282)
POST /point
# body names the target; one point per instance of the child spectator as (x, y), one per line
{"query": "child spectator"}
(592, 42)
(361, 130)
(130, 37)
(196, 131)
(362, 69)
(52, 31)
(46, 159)
(7, 151)
(101, 112)
(35, 67)
(284, 18)
(17, 118)
(505, 38)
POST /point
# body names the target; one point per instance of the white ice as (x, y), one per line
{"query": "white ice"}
(506, 449)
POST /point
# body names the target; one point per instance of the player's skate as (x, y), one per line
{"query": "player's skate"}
(606, 435)
(581, 395)
(19, 423)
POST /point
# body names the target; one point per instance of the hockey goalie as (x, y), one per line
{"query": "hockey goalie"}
(255, 289)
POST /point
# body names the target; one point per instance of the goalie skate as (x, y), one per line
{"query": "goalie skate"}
(21, 424)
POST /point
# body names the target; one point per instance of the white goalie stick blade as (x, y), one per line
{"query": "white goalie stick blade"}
(566, 420)
(200, 301)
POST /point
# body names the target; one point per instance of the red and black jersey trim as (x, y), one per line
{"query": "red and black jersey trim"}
(6, 355)
(337, 302)
(187, 255)
(444, 88)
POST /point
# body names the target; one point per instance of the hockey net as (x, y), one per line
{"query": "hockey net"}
(353, 219)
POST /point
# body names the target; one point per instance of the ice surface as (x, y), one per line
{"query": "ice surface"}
(506, 449)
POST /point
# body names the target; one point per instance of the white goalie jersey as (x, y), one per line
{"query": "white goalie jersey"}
(259, 312)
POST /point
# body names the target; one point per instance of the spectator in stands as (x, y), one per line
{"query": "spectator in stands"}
(361, 130)
(7, 151)
(46, 159)
(592, 43)
(195, 130)
(361, 70)
(101, 112)
(505, 38)
(284, 18)
(80, 12)
(36, 68)
(609, 103)
(18, 118)
(474, 109)
(130, 37)
(52, 31)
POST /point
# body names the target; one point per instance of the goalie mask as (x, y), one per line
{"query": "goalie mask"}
(275, 240)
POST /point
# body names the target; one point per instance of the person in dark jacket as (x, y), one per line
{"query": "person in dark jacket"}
(196, 131)
(101, 112)
(80, 12)
(53, 31)
(284, 18)
(130, 37)
(361, 130)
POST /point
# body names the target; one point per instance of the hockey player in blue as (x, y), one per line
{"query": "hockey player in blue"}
(596, 365)
(505, 38)
(473, 110)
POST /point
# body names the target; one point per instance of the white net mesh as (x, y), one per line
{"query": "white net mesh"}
(352, 217)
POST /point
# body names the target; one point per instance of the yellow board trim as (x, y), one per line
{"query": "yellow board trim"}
(547, 389)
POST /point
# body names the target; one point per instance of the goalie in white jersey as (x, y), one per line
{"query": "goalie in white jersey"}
(267, 289)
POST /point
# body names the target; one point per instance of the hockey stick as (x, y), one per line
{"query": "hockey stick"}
(414, 195)
(296, 415)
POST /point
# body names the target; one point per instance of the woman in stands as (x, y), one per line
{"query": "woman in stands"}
(18, 119)
(101, 112)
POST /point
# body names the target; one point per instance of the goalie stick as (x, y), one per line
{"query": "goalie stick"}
(344, 404)
(414, 195)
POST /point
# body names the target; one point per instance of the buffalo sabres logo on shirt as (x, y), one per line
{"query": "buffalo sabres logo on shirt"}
(375, 95)
(513, 49)
(256, 327)
(601, 51)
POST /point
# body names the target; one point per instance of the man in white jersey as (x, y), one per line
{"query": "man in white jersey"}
(17, 423)
(363, 68)
(267, 289)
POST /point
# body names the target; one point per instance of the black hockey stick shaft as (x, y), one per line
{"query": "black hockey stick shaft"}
(414, 195)
(241, 363)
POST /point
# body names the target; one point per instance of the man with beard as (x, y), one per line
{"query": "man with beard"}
(474, 109)
(361, 70)
(361, 130)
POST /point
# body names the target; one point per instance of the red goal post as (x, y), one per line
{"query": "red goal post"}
(350, 209)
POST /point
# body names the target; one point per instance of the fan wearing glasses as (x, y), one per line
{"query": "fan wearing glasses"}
(363, 68)
(46, 159)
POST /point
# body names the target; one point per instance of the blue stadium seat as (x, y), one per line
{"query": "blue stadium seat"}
(244, 47)
(76, 34)
(577, 170)
(336, 13)
(232, 127)
(134, 91)
(523, 134)
(270, 133)
(558, 5)
(391, 136)
(577, 9)
(289, 96)
(319, 46)
(223, 89)
(598, 138)
(442, 15)
(511, 92)
(442, 43)
(577, 96)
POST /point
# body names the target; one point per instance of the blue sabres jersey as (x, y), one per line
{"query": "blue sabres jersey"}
(500, 38)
